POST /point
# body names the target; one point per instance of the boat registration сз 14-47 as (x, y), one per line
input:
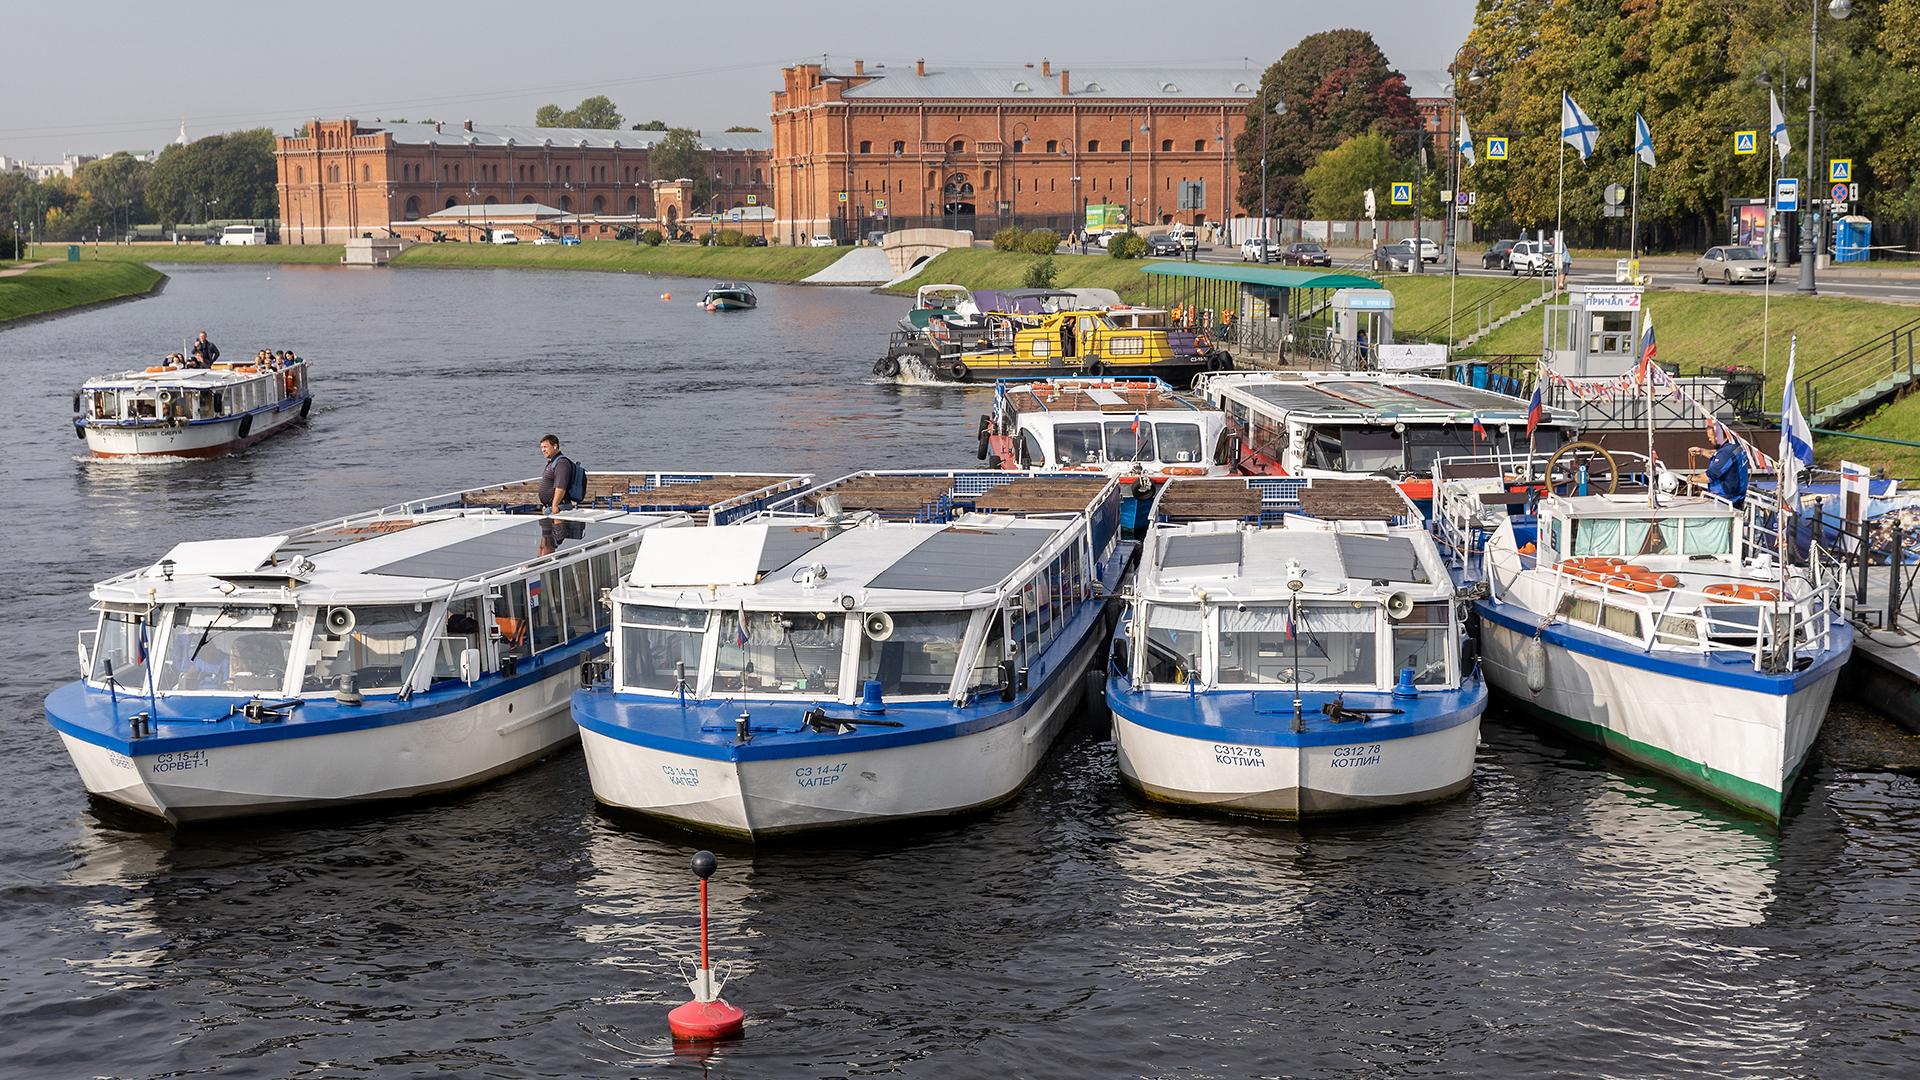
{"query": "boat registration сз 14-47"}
(413, 649)
(890, 645)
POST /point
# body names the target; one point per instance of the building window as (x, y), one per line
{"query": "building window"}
(633, 206)
(756, 176)
(899, 147)
(1053, 146)
(299, 174)
(1166, 146)
(366, 173)
(599, 205)
(1199, 146)
(491, 200)
(959, 146)
(526, 198)
(566, 203)
(1093, 146)
(1019, 145)
(866, 146)
(450, 204)
(1126, 146)
(413, 207)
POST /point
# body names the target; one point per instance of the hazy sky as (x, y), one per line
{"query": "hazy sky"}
(111, 75)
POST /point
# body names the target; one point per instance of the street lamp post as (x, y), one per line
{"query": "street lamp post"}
(1279, 109)
(1809, 232)
(1133, 137)
(1013, 171)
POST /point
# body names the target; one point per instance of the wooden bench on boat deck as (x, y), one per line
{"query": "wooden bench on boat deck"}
(1041, 495)
(1353, 500)
(1224, 499)
(916, 496)
(618, 491)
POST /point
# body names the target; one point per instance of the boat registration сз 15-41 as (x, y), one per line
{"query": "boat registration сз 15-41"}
(417, 648)
(171, 411)
(890, 645)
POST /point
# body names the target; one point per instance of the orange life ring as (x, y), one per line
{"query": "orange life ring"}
(1529, 549)
(1614, 573)
(293, 383)
(1729, 592)
(162, 367)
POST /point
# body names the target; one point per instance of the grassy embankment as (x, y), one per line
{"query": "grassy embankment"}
(1899, 419)
(61, 286)
(774, 264)
(201, 253)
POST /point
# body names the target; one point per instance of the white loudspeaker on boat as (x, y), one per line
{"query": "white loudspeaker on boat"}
(879, 626)
(340, 621)
(1399, 606)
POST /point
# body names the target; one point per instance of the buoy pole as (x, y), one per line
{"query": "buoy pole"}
(703, 926)
(708, 1016)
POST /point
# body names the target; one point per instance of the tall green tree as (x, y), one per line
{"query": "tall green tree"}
(116, 186)
(1330, 87)
(651, 125)
(597, 111)
(677, 155)
(219, 177)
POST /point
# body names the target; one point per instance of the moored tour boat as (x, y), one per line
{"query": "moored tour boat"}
(891, 645)
(190, 412)
(418, 648)
(730, 296)
(1292, 649)
(1660, 630)
(1076, 340)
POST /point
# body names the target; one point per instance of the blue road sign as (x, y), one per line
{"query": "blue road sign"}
(1786, 195)
(1402, 193)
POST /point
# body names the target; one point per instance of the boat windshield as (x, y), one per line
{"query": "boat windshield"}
(659, 646)
(1179, 443)
(1326, 644)
(1173, 643)
(231, 648)
(120, 651)
(1129, 440)
(1356, 449)
(780, 652)
(1420, 642)
(377, 649)
(1076, 444)
(919, 655)
(1631, 537)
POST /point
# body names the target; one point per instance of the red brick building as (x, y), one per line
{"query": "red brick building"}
(345, 178)
(973, 147)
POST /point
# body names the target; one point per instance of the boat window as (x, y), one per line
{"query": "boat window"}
(510, 620)
(920, 656)
(986, 667)
(1327, 644)
(605, 576)
(1651, 536)
(1429, 443)
(627, 557)
(772, 652)
(1076, 444)
(1030, 625)
(1553, 530)
(378, 652)
(229, 647)
(1129, 440)
(1606, 616)
(544, 604)
(1707, 536)
(1173, 643)
(120, 650)
(1420, 643)
(1596, 536)
(578, 583)
(1044, 606)
(1179, 443)
(1129, 345)
(1370, 449)
(1030, 452)
(655, 642)
(462, 632)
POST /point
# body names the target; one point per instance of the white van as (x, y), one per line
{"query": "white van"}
(503, 236)
(242, 236)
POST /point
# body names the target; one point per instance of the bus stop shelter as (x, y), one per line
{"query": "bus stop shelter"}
(1280, 310)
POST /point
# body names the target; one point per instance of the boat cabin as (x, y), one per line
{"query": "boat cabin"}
(1679, 534)
(165, 395)
(1119, 426)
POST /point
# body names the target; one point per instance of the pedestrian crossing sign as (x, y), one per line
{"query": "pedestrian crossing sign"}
(879, 204)
(1402, 193)
(1746, 142)
(843, 196)
(753, 200)
(1840, 170)
(1497, 148)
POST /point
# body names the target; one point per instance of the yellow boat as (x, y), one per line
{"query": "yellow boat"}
(1121, 341)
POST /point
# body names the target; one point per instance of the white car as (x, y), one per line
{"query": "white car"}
(1531, 257)
(1259, 249)
(1429, 251)
(821, 240)
(543, 238)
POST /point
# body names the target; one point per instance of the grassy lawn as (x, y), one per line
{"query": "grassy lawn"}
(1421, 302)
(67, 285)
(1898, 419)
(200, 253)
(984, 268)
(776, 264)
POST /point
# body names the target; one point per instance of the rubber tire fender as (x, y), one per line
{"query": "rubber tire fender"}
(1536, 660)
(985, 435)
(887, 367)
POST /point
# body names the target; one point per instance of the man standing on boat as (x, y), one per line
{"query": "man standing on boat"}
(557, 478)
(204, 352)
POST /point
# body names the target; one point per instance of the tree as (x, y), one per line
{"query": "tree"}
(221, 176)
(651, 125)
(114, 189)
(742, 127)
(597, 111)
(678, 155)
(1332, 86)
(1338, 179)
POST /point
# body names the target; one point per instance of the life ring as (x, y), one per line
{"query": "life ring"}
(1729, 592)
(1618, 574)
(292, 383)
(887, 367)
(959, 372)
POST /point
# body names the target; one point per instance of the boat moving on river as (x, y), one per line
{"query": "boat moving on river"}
(417, 648)
(1292, 649)
(190, 412)
(890, 645)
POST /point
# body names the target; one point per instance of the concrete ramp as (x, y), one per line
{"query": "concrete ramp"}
(861, 266)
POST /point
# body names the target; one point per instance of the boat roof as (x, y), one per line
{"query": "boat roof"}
(1236, 560)
(732, 285)
(1369, 396)
(1635, 506)
(1271, 499)
(422, 551)
(180, 378)
(1077, 395)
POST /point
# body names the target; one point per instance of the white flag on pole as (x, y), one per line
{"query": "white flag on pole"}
(1796, 439)
(1466, 141)
(1780, 140)
(1643, 139)
(1575, 129)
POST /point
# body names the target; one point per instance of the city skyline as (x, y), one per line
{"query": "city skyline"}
(171, 76)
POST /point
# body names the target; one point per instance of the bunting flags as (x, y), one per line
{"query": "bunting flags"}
(1643, 139)
(1575, 129)
(1596, 389)
(1780, 140)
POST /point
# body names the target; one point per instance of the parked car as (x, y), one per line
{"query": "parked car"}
(1495, 257)
(1429, 251)
(544, 239)
(1732, 265)
(1258, 249)
(1393, 257)
(1532, 257)
(1161, 244)
(569, 241)
(821, 240)
(1306, 253)
(756, 241)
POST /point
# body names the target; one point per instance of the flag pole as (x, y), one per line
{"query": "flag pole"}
(1559, 215)
(1646, 374)
(1766, 283)
(1633, 222)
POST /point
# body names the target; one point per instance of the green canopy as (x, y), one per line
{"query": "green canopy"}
(1282, 277)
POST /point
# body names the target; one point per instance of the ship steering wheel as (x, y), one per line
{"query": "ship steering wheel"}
(1586, 452)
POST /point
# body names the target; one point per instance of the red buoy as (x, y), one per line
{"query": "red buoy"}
(708, 1016)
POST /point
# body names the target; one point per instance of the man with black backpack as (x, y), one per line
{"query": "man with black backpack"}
(562, 483)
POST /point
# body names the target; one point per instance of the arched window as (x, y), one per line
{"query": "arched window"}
(959, 146)
(1166, 146)
(491, 200)
(866, 146)
(413, 207)
(450, 204)
(599, 205)
(566, 203)
(366, 173)
(1093, 146)
(526, 199)
(1126, 146)
(633, 205)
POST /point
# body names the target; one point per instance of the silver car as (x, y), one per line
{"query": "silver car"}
(1732, 265)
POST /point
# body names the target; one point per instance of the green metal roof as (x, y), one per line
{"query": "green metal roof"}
(1276, 276)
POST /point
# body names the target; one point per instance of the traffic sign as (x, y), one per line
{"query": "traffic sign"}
(1839, 192)
(1853, 192)
(753, 200)
(1463, 198)
(1746, 142)
(1402, 193)
(879, 204)
(1497, 148)
(1786, 195)
(1840, 169)
(1614, 195)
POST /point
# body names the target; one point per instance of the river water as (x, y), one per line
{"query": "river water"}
(1569, 915)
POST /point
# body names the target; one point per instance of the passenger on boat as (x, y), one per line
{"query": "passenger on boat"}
(1727, 472)
(175, 362)
(557, 478)
(204, 352)
(1066, 337)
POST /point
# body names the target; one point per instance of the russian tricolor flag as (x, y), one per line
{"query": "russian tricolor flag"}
(1479, 429)
(1535, 410)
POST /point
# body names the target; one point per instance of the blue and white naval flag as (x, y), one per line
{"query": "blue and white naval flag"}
(1575, 129)
(1466, 141)
(1643, 139)
(1779, 126)
(1796, 438)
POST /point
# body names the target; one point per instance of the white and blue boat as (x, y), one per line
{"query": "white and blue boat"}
(165, 411)
(1292, 649)
(418, 648)
(1659, 628)
(890, 645)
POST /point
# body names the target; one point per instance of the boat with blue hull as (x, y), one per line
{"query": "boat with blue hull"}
(169, 410)
(418, 648)
(1292, 649)
(730, 296)
(1660, 626)
(888, 646)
